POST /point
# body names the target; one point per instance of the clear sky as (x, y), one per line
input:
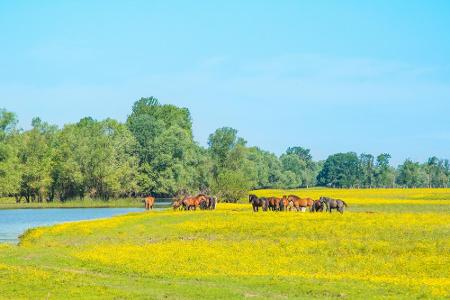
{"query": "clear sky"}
(328, 75)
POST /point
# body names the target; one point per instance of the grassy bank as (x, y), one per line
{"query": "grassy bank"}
(234, 253)
(10, 203)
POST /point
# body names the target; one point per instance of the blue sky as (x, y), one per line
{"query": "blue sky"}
(328, 75)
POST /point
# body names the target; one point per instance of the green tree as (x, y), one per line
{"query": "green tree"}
(168, 155)
(298, 160)
(266, 169)
(435, 169)
(231, 167)
(367, 170)
(340, 170)
(36, 160)
(95, 158)
(10, 171)
(384, 173)
(411, 175)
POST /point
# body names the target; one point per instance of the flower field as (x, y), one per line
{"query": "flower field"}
(389, 243)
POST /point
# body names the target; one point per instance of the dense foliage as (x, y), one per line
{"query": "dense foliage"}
(154, 153)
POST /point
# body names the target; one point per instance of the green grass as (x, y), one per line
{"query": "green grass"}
(397, 252)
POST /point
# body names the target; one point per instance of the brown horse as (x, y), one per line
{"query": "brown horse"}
(284, 203)
(194, 202)
(149, 201)
(298, 203)
(310, 203)
(274, 203)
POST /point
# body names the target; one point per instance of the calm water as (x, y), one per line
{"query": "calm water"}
(13, 222)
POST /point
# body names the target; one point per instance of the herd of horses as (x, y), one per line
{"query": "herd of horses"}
(201, 201)
(291, 202)
(286, 203)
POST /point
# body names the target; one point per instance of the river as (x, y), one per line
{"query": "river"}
(13, 222)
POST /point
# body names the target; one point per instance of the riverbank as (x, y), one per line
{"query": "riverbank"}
(10, 203)
(14, 222)
(233, 253)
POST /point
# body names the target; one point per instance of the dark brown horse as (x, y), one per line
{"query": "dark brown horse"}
(212, 202)
(317, 206)
(149, 202)
(258, 202)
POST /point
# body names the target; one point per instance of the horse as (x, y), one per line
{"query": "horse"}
(284, 203)
(298, 203)
(177, 204)
(194, 202)
(149, 201)
(205, 203)
(212, 202)
(310, 203)
(258, 202)
(274, 203)
(317, 206)
(331, 203)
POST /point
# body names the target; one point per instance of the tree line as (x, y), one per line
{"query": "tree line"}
(154, 152)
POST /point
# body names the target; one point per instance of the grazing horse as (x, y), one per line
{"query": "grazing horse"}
(194, 202)
(284, 203)
(149, 201)
(317, 206)
(310, 203)
(298, 203)
(258, 202)
(274, 203)
(331, 203)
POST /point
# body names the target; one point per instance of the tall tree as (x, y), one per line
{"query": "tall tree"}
(367, 170)
(411, 175)
(298, 160)
(36, 159)
(231, 167)
(340, 170)
(166, 149)
(10, 171)
(384, 173)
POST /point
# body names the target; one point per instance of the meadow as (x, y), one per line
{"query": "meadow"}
(389, 244)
